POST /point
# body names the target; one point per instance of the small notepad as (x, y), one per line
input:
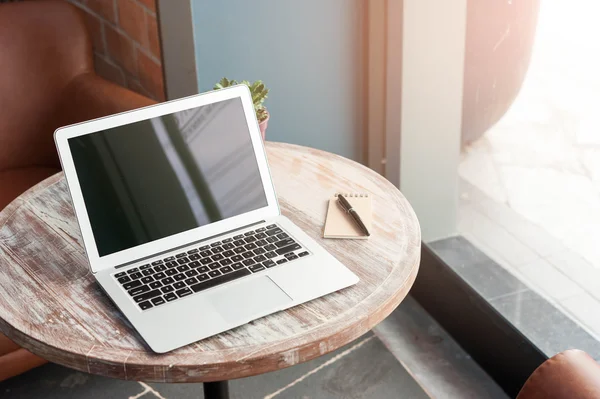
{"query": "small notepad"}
(340, 225)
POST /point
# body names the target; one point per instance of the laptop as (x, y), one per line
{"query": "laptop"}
(180, 220)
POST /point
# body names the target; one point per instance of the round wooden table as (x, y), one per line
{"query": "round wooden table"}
(52, 306)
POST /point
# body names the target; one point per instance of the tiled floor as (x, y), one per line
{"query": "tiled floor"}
(362, 369)
(530, 194)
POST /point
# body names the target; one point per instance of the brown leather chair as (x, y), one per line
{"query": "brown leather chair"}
(47, 80)
(572, 374)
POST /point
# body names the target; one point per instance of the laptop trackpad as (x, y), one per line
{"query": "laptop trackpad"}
(249, 299)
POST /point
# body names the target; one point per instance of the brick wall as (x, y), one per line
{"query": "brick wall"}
(126, 44)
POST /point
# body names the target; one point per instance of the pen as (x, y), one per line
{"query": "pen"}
(350, 210)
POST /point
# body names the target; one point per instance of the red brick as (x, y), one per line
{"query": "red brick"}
(150, 4)
(108, 70)
(132, 19)
(121, 50)
(154, 42)
(105, 8)
(151, 76)
(94, 28)
(135, 85)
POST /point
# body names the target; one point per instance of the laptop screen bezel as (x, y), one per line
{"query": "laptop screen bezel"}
(97, 263)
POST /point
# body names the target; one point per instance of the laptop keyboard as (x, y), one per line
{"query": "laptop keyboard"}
(174, 277)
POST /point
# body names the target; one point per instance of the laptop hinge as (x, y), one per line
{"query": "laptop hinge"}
(188, 244)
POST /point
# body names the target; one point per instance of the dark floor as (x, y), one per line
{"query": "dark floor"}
(362, 369)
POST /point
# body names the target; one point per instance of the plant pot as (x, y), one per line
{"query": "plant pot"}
(263, 126)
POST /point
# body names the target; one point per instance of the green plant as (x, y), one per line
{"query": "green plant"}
(259, 95)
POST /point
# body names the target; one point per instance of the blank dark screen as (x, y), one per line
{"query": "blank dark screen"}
(158, 177)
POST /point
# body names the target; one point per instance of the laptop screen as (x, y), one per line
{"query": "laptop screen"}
(151, 179)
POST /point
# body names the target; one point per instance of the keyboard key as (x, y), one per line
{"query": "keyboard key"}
(205, 253)
(178, 285)
(239, 243)
(138, 290)
(170, 258)
(260, 258)
(202, 277)
(194, 264)
(239, 250)
(289, 248)
(167, 289)
(135, 276)
(194, 257)
(172, 264)
(170, 297)
(121, 274)
(292, 257)
(168, 280)
(273, 232)
(271, 226)
(191, 281)
(217, 257)
(183, 268)
(271, 255)
(146, 295)
(226, 269)
(281, 236)
(147, 272)
(216, 244)
(179, 277)
(206, 261)
(256, 268)
(228, 246)
(250, 239)
(261, 243)
(155, 263)
(216, 250)
(181, 255)
(155, 284)
(268, 263)
(132, 284)
(248, 262)
(249, 233)
(248, 254)
(145, 305)
(237, 258)
(214, 273)
(183, 261)
(214, 266)
(147, 280)
(191, 273)
(123, 279)
(184, 292)
(271, 247)
(289, 254)
(160, 268)
(204, 248)
(237, 266)
(259, 251)
(250, 246)
(260, 236)
(227, 240)
(301, 254)
(220, 280)
(226, 262)
(229, 253)
(271, 239)
(158, 301)
(280, 261)
(203, 269)
(171, 272)
(135, 269)
(238, 236)
(193, 251)
(284, 242)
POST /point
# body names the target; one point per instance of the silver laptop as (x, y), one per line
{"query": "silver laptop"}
(180, 219)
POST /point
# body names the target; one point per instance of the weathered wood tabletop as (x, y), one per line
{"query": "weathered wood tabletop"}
(51, 305)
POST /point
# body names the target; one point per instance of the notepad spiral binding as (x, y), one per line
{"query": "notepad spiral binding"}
(352, 194)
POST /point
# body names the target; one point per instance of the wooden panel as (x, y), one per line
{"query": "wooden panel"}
(52, 306)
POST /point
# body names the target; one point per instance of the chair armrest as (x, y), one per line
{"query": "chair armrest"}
(571, 374)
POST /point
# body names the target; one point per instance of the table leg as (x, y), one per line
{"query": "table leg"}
(216, 390)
